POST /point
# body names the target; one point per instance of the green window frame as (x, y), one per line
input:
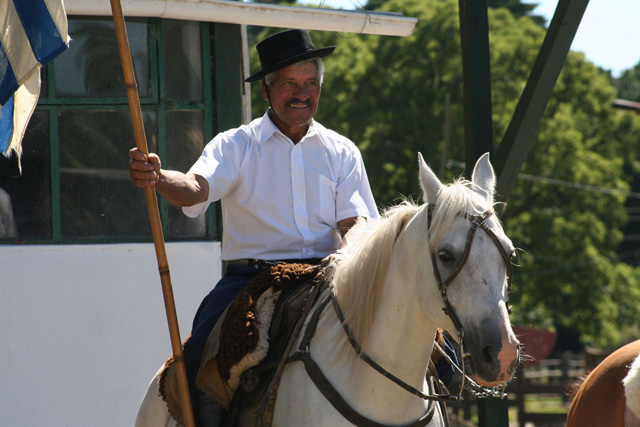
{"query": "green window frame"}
(220, 59)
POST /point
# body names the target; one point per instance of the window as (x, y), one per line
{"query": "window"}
(74, 185)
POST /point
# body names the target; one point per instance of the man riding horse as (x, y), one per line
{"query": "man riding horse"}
(291, 190)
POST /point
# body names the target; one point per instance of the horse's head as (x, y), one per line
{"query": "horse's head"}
(470, 255)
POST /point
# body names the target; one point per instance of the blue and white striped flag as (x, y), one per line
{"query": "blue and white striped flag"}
(33, 32)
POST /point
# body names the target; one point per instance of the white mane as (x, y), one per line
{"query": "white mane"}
(462, 196)
(359, 276)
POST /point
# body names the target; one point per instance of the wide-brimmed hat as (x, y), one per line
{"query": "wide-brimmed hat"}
(283, 49)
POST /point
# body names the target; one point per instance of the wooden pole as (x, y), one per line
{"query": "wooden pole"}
(154, 215)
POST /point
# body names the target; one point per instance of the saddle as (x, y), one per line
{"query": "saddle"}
(246, 351)
(241, 357)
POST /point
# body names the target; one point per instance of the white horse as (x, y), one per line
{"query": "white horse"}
(389, 290)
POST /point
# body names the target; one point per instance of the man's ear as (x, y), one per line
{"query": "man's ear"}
(265, 91)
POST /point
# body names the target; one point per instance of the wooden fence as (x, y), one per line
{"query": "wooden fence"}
(549, 380)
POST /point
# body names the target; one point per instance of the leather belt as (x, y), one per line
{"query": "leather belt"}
(264, 263)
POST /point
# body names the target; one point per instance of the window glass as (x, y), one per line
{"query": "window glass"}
(91, 66)
(74, 185)
(182, 60)
(185, 142)
(44, 82)
(25, 196)
(97, 198)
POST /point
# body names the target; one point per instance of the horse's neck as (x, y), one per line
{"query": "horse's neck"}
(398, 341)
(401, 338)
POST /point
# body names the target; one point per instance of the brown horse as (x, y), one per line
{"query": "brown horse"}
(608, 394)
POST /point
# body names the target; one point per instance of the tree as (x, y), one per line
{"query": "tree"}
(516, 7)
(387, 94)
(573, 277)
(519, 9)
(628, 84)
(570, 274)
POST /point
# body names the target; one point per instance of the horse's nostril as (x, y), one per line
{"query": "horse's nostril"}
(487, 353)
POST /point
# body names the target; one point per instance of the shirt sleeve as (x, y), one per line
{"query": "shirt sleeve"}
(353, 192)
(220, 174)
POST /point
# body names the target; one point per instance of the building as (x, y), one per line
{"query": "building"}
(83, 318)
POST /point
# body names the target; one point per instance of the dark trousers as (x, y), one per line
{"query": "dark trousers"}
(210, 310)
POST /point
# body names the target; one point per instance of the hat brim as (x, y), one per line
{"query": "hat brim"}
(317, 53)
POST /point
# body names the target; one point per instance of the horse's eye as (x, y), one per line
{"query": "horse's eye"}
(445, 256)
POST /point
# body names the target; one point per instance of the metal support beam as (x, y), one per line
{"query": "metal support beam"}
(493, 412)
(519, 135)
(476, 74)
(478, 124)
(478, 130)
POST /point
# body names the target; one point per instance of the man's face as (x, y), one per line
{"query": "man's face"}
(294, 93)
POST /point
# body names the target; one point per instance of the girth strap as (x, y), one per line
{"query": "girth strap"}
(328, 390)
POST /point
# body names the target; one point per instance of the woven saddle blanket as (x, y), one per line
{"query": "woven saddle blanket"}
(241, 338)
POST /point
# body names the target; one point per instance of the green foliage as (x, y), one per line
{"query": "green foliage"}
(569, 273)
(628, 84)
(518, 9)
(387, 95)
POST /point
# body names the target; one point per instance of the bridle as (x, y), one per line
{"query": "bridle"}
(314, 372)
(477, 221)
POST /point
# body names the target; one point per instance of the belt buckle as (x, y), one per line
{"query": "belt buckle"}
(258, 263)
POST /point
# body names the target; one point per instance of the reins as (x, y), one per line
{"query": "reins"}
(364, 357)
(334, 397)
(329, 391)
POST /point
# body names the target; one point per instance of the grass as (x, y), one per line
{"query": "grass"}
(546, 404)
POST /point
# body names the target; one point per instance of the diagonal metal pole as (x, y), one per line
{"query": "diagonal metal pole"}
(154, 215)
(526, 119)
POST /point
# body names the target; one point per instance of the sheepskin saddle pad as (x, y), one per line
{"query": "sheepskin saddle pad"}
(241, 338)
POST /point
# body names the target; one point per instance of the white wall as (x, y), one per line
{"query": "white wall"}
(83, 328)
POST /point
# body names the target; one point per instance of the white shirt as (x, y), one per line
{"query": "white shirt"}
(282, 200)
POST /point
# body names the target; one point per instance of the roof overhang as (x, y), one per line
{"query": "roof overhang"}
(267, 15)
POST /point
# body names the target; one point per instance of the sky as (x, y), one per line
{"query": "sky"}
(609, 34)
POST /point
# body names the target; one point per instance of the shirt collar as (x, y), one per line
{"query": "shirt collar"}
(267, 129)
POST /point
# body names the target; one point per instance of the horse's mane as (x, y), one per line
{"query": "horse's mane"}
(460, 196)
(358, 276)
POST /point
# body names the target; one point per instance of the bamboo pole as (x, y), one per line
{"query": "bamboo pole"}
(154, 215)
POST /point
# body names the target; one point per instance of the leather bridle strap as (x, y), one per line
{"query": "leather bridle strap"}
(477, 221)
(328, 390)
(505, 257)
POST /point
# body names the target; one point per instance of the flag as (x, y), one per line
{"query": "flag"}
(32, 33)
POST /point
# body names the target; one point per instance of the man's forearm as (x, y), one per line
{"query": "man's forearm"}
(181, 189)
(349, 230)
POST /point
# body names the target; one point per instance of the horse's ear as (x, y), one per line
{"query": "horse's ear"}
(429, 182)
(484, 177)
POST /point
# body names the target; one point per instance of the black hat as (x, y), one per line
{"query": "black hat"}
(283, 49)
